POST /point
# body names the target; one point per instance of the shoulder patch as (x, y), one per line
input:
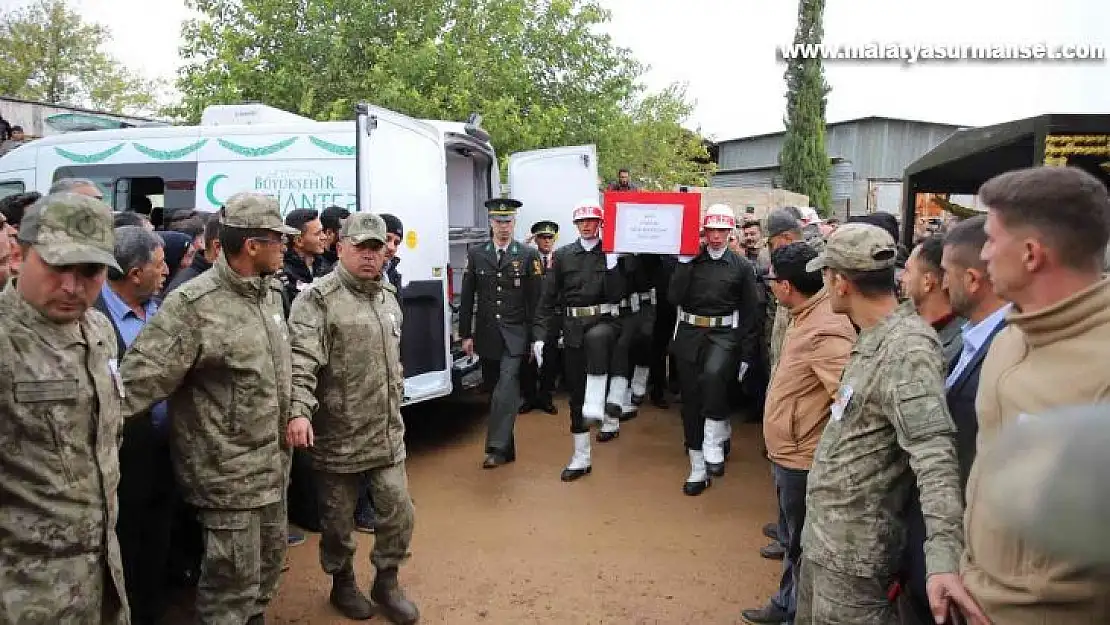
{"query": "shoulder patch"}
(198, 287)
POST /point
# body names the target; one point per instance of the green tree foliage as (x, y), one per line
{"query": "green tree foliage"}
(540, 72)
(804, 159)
(49, 54)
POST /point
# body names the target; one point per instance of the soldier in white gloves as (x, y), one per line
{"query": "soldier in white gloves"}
(717, 299)
(588, 284)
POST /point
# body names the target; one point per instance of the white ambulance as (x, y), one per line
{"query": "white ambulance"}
(434, 175)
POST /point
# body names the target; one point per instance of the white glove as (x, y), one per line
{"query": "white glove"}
(537, 351)
(743, 372)
(685, 259)
(611, 260)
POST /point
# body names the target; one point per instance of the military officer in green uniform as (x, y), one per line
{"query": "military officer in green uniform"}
(538, 382)
(500, 289)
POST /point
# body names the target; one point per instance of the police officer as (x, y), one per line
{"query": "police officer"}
(714, 341)
(538, 382)
(888, 414)
(504, 277)
(347, 391)
(59, 397)
(587, 282)
(219, 351)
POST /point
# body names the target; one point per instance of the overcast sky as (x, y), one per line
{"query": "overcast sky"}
(725, 51)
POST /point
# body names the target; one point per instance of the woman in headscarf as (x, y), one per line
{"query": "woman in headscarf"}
(180, 249)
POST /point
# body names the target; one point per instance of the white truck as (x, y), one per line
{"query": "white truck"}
(434, 175)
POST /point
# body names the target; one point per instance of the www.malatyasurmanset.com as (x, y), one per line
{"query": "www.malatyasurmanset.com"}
(914, 53)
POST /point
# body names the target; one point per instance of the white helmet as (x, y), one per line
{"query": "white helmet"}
(719, 216)
(588, 209)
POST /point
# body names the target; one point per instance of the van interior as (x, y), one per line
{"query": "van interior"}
(471, 176)
(148, 188)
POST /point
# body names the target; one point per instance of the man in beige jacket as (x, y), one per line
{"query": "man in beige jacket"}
(815, 349)
(1047, 229)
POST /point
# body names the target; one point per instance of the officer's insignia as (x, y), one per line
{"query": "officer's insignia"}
(516, 265)
(536, 265)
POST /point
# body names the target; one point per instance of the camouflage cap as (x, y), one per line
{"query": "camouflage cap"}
(856, 247)
(362, 227)
(254, 211)
(70, 229)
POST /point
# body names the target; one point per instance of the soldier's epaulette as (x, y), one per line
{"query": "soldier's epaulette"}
(101, 324)
(327, 285)
(198, 287)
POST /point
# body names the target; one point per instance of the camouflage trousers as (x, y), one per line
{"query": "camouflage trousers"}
(827, 597)
(338, 493)
(243, 554)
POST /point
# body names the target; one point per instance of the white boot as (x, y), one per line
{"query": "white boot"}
(580, 461)
(639, 384)
(618, 386)
(698, 480)
(593, 405)
(610, 429)
(726, 438)
(628, 407)
(712, 445)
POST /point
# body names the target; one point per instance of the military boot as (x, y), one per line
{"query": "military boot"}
(390, 599)
(347, 598)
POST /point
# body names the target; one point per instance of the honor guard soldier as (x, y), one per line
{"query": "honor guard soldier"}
(538, 382)
(587, 282)
(504, 278)
(645, 278)
(634, 311)
(714, 341)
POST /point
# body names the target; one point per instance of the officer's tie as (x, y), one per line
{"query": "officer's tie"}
(500, 257)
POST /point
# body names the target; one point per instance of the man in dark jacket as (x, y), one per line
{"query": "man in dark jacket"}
(331, 218)
(304, 260)
(394, 233)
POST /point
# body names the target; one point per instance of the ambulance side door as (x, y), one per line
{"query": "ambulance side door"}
(401, 169)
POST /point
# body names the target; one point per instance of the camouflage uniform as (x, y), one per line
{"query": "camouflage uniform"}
(889, 417)
(60, 427)
(347, 379)
(218, 349)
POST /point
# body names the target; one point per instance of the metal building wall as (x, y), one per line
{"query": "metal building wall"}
(878, 147)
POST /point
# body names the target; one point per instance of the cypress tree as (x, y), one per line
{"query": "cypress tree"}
(804, 162)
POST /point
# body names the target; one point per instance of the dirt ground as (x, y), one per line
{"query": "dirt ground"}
(515, 545)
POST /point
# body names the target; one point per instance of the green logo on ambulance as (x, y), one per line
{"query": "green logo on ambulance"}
(293, 189)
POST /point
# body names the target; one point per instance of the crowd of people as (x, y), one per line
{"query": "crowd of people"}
(169, 393)
(156, 433)
(863, 357)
